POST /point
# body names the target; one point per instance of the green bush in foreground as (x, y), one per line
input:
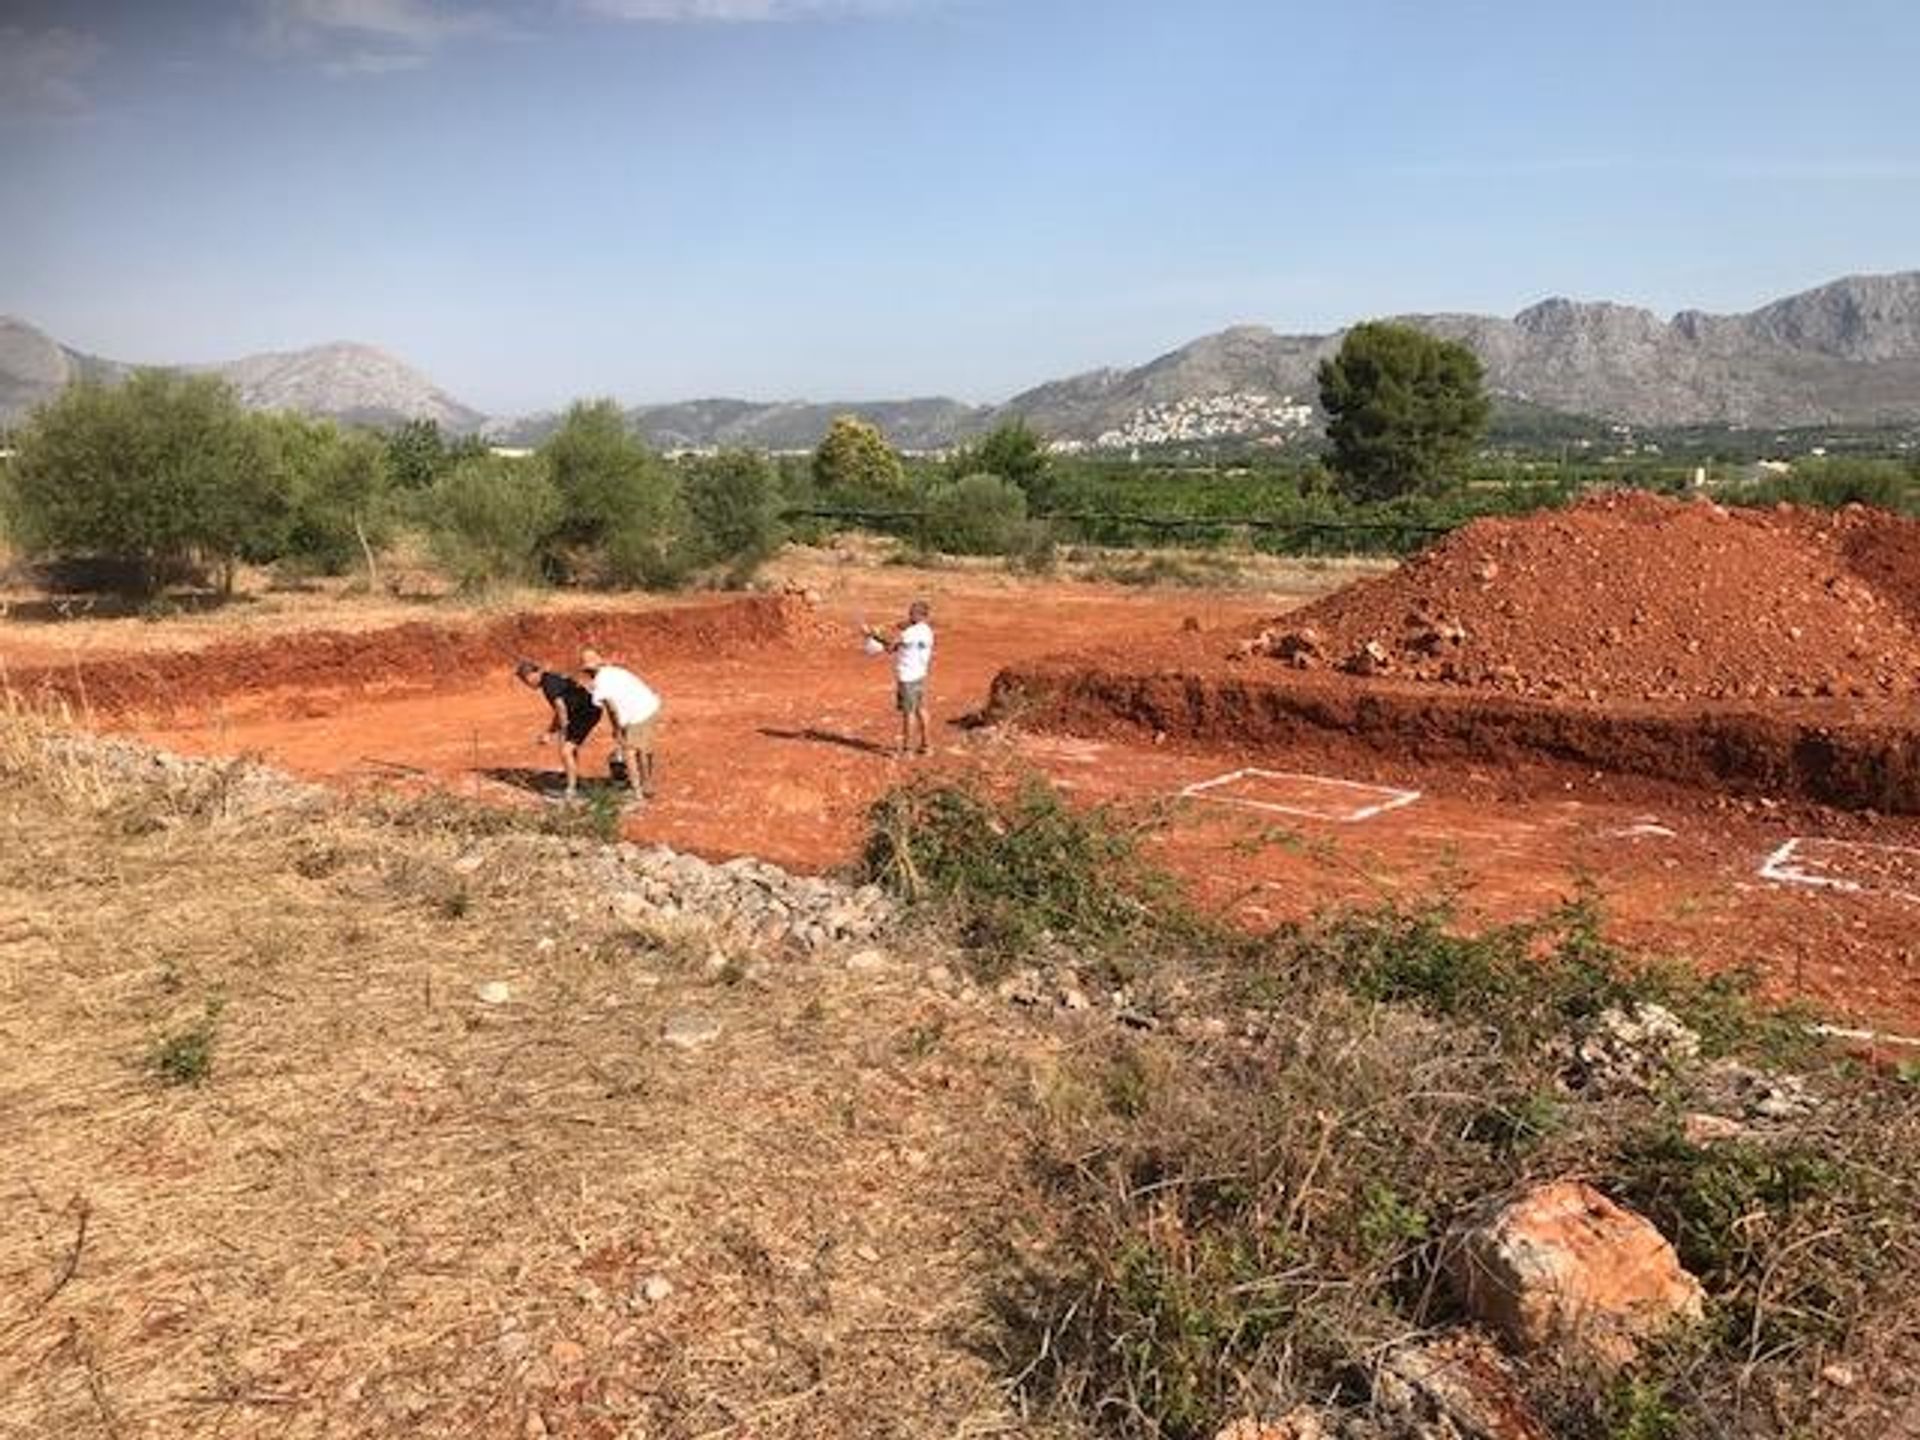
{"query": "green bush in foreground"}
(1015, 868)
(1213, 1228)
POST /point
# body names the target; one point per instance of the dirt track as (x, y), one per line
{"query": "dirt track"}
(776, 726)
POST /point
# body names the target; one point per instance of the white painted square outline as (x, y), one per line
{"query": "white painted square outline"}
(1779, 867)
(1395, 798)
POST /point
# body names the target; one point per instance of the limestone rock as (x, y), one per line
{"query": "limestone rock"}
(1564, 1265)
(1634, 1051)
(1302, 1422)
(1459, 1383)
(690, 1030)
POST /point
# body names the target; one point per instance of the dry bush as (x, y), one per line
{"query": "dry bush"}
(1228, 1227)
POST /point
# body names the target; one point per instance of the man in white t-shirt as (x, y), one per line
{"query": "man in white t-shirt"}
(912, 658)
(634, 710)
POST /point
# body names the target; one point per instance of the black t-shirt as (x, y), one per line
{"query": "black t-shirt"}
(582, 713)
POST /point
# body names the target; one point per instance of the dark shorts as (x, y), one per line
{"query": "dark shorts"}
(908, 695)
(579, 727)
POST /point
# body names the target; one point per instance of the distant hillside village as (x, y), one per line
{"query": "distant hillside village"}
(1237, 415)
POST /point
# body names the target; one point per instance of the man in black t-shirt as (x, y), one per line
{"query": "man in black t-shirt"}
(574, 714)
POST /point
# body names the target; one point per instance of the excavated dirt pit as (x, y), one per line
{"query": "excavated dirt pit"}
(1766, 653)
(775, 735)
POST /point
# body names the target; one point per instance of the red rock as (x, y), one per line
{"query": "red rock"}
(1565, 1266)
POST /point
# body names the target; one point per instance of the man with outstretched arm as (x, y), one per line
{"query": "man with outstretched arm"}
(574, 715)
(912, 651)
(634, 708)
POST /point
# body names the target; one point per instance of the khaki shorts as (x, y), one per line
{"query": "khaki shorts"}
(909, 695)
(638, 739)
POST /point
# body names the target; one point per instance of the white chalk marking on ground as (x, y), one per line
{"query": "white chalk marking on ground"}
(1871, 1037)
(1387, 799)
(1785, 866)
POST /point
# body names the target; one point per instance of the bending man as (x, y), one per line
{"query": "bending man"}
(634, 709)
(574, 715)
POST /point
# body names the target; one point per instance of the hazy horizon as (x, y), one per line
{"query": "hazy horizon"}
(532, 200)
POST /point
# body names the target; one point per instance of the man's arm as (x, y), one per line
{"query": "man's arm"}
(559, 718)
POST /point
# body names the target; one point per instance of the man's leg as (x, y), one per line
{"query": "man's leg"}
(920, 720)
(646, 754)
(633, 741)
(570, 762)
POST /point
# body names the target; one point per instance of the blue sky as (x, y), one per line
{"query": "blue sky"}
(658, 199)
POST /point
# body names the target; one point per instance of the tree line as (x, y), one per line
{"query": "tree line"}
(167, 477)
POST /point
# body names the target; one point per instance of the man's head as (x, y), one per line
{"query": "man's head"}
(919, 610)
(591, 660)
(528, 671)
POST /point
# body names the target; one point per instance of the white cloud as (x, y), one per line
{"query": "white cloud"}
(741, 11)
(367, 37)
(42, 72)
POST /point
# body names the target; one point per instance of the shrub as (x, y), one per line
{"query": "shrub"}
(1212, 1229)
(617, 502)
(976, 515)
(339, 490)
(854, 464)
(1529, 980)
(1830, 483)
(1015, 452)
(185, 1057)
(490, 518)
(733, 504)
(1015, 868)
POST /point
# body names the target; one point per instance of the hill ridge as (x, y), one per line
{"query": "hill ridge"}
(1846, 352)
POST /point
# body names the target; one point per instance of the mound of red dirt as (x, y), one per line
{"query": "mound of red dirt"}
(1631, 596)
(413, 657)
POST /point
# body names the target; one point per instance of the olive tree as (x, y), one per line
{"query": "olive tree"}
(617, 502)
(733, 504)
(489, 518)
(160, 473)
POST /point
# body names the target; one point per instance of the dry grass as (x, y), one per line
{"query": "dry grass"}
(387, 1207)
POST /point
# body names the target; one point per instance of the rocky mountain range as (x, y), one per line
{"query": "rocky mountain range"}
(353, 383)
(1846, 353)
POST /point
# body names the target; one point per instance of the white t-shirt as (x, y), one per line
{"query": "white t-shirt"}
(913, 653)
(629, 697)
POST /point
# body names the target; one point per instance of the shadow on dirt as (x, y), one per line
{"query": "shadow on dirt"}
(54, 609)
(552, 784)
(830, 737)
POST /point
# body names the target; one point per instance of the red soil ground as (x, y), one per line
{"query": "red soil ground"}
(776, 723)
